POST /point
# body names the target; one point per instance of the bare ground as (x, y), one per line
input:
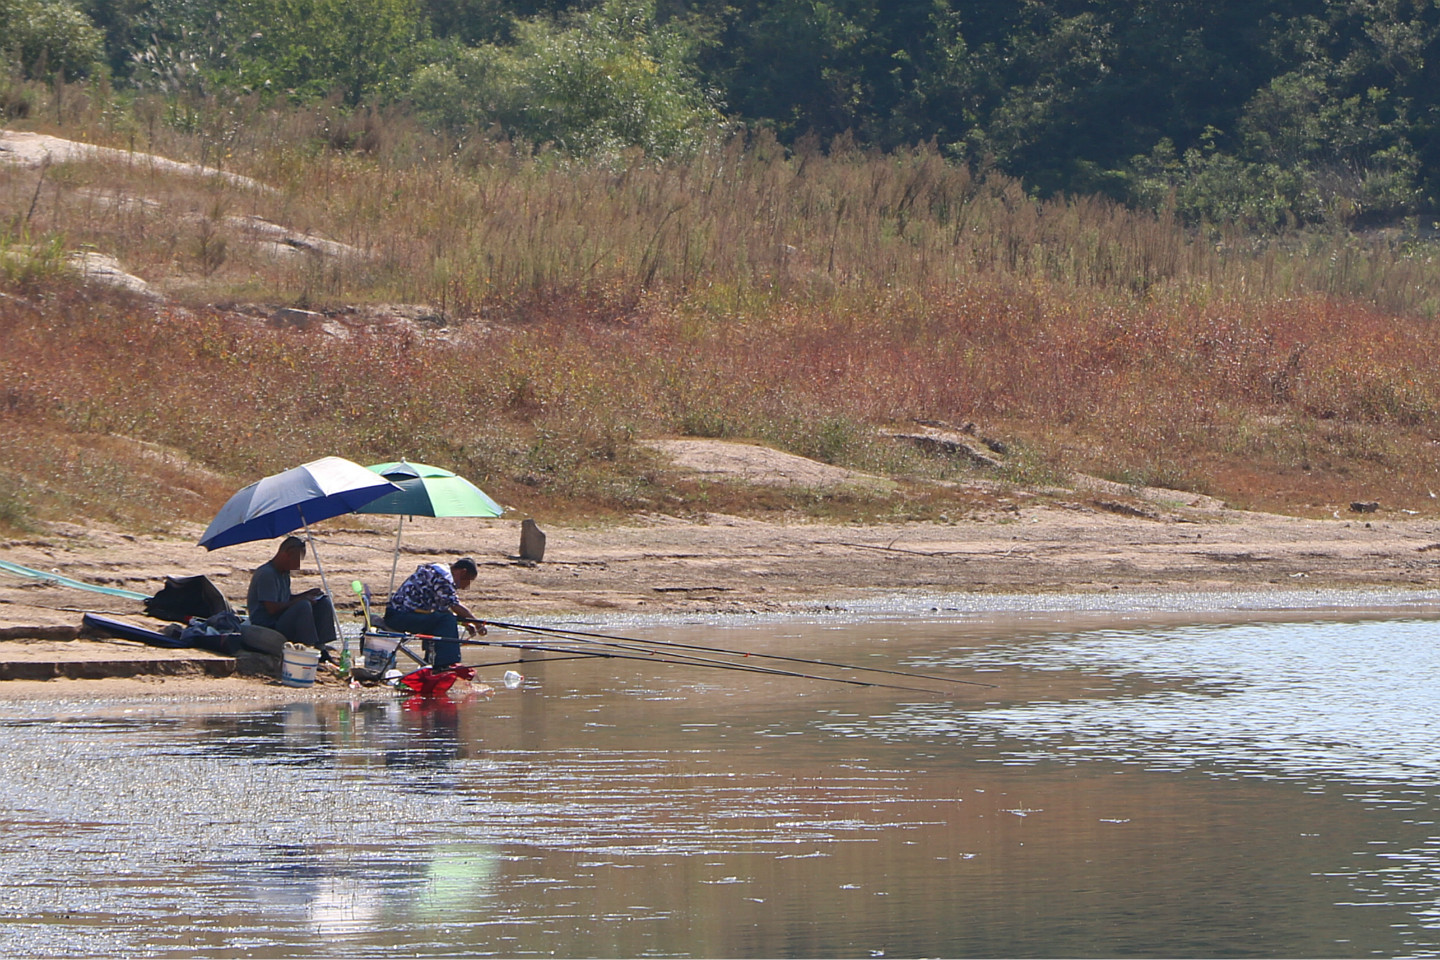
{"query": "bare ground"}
(1096, 537)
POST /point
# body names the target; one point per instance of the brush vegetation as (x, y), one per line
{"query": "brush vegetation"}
(1266, 112)
(804, 298)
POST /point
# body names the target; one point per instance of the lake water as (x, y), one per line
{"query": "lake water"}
(1218, 781)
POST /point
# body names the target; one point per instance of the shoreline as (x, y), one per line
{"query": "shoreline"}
(721, 566)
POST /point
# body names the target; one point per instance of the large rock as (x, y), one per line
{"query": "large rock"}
(105, 270)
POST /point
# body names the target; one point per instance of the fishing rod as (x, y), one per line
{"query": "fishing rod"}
(402, 636)
(572, 655)
(579, 634)
(634, 649)
(522, 661)
(684, 660)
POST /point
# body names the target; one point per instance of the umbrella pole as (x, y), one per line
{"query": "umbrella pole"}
(324, 585)
(396, 562)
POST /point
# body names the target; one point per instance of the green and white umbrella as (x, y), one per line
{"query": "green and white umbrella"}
(427, 491)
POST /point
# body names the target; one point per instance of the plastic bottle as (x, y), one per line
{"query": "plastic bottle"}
(513, 679)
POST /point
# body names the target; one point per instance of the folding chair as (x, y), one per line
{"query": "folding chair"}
(379, 647)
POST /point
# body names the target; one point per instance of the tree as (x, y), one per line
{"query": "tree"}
(46, 38)
(1331, 135)
(825, 67)
(121, 22)
(603, 80)
(311, 47)
(1056, 69)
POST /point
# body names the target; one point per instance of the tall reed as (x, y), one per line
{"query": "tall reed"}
(468, 224)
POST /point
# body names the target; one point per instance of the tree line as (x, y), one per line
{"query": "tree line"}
(1267, 113)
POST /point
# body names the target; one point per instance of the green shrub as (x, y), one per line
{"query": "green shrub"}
(609, 79)
(46, 38)
(15, 511)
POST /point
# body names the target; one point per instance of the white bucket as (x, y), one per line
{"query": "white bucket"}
(378, 651)
(298, 668)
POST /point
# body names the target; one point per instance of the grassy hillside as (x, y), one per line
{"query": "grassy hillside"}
(562, 311)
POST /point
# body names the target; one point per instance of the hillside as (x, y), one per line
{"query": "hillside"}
(533, 326)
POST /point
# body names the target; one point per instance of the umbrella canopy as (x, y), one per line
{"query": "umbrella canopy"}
(285, 502)
(427, 491)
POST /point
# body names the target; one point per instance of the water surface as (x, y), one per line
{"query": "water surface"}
(1136, 783)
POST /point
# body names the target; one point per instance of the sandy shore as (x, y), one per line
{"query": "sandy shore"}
(729, 564)
(722, 564)
(1094, 536)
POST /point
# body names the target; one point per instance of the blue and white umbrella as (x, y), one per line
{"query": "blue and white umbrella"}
(286, 502)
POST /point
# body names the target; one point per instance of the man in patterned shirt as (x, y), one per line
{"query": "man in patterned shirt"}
(427, 602)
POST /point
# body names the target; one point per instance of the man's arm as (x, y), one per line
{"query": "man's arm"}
(466, 617)
(277, 607)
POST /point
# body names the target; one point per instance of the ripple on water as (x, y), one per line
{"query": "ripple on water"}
(1348, 705)
(1352, 701)
(167, 831)
(127, 833)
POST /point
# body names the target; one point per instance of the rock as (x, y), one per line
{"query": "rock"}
(25, 632)
(104, 269)
(295, 317)
(1126, 509)
(732, 461)
(532, 541)
(1364, 506)
(253, 663)
(281, 239)
(39, 149)
(996, 446)
(951, 445)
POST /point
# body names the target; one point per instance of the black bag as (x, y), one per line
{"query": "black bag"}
(186, 597)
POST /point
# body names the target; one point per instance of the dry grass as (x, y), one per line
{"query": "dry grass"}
(737, 225)
(799, 300)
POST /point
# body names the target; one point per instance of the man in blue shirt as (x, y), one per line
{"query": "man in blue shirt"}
(428, 603)
(307, 618)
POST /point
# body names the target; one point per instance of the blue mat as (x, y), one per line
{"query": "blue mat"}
(129, 631)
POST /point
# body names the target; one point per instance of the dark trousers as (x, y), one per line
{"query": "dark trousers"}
(441, 624)
(311, 622)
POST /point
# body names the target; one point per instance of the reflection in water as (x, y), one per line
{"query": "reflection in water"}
(1185, 791)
